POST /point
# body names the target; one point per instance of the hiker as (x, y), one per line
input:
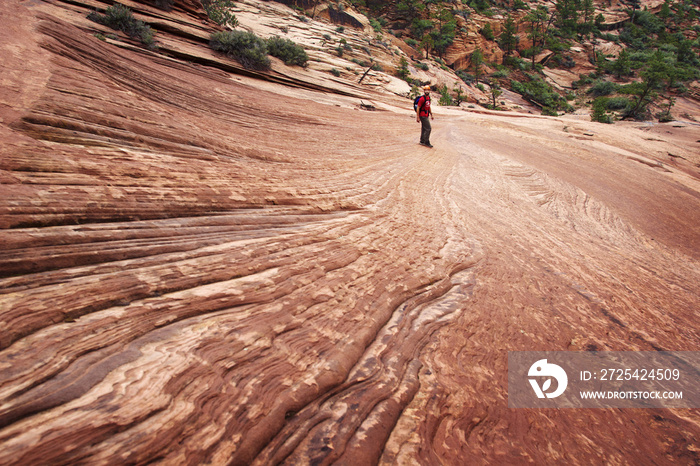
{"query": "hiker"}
(423, 115)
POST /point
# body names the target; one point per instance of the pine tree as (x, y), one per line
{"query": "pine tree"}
(477, 61)
(444, 34)
(487, 31)
(665, 11)
(622, 66)
(588, 11)
(508, 40)
(653, 77)
(412, 9)
(496, 92)
(599, 112)
(567, 15)
(538, 29)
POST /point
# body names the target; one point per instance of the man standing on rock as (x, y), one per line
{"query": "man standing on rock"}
(423, 115)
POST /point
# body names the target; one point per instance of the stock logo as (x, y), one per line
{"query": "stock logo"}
(544, 371)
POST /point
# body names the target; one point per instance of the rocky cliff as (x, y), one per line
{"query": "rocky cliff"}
(204, 264)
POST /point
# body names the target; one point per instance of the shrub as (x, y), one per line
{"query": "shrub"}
(610, 37)
(245, 47)
(617, 103)
(648, 21)
(519, 64)
(335, 72)
(121, 18)
(464, 76)
(287, 51)
(584, 80)
(601, 88)
(539, 91)
(568, 62)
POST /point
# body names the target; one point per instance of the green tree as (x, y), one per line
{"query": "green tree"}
(665, 115)
(685, 53)
(459, 95)
(420, 26)
(588, 16)
(538, 29)
(443, 35)
(656, 73)
(635, 4)
(477, 60)
(623, 65)
(410, 9)
(219, 12)
(445, 97)
(665, 12)
(508, 41)
(487, 32)
(427, 44)
(403, 71)
(599, 20)
(599, 112)
(496, 92)
(567, 12)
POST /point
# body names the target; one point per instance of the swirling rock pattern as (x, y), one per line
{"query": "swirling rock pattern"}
(199, 267)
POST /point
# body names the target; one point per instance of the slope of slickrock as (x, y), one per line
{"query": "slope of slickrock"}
(198, 267)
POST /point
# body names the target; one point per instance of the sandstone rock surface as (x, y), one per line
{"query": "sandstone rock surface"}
(204, 265)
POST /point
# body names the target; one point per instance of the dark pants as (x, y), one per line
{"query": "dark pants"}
(425, 129)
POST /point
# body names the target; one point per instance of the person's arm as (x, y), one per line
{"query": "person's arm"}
(418, 112)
